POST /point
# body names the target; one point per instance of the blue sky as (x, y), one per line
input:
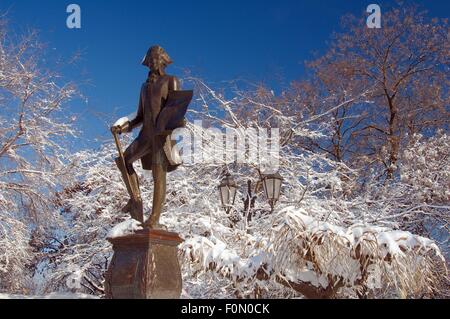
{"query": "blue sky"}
(262, 41)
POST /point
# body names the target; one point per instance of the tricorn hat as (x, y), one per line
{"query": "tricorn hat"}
(160, 53)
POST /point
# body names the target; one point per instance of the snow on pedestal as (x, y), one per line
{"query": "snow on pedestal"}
(128, 227)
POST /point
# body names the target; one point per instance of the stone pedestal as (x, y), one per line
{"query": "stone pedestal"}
(144, 266)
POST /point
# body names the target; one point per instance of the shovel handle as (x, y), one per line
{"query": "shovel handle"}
(121, 156)
(118, 145)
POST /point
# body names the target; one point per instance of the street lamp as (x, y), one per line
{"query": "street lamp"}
(272, 188)
(228, 190)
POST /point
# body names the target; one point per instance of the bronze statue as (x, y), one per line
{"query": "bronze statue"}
(162, 107)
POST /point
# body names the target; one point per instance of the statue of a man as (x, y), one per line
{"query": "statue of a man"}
(161, 109)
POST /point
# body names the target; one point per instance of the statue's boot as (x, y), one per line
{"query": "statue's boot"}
(153, 222)
(134, 207)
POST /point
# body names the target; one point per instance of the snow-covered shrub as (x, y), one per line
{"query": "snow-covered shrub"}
(319, 260)
(425, 167)
(15, 253)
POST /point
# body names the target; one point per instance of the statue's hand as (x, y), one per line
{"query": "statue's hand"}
(116, 130)
(119, 129)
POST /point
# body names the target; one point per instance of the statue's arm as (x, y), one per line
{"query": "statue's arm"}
(139, 115)
(130, 125)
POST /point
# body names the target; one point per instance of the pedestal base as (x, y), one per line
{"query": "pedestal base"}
(144, 266)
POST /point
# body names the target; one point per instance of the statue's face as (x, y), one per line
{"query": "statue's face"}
(155, 61)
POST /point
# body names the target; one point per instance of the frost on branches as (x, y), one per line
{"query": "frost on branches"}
(426, 168)
(33, 128)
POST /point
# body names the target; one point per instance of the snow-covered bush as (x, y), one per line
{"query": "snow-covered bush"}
(426, 168)
(320, 260)
(15, 253)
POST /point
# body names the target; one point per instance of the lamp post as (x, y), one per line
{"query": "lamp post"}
(227, 190)
(272, 188)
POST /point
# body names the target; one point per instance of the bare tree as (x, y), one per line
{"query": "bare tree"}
(406, 64)
(33, 126)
